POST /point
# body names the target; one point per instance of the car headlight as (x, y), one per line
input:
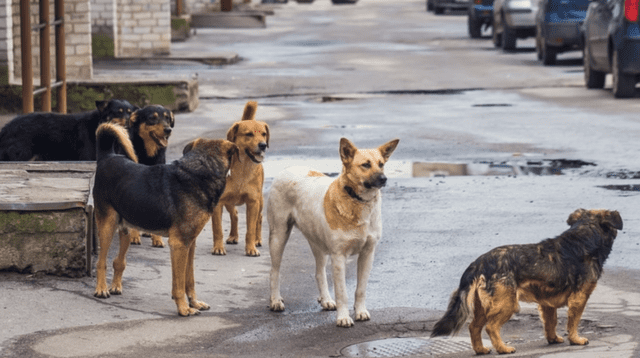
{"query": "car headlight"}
(519, 4)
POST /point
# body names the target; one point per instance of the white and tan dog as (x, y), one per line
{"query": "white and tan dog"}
(339, 217)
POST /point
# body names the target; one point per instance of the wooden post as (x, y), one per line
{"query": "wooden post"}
(45, 55)
(25, 48)
(178, 8)
(61, 64)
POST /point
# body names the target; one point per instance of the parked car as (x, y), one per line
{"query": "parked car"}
(559, 27)
(512, 20)
(612, 45)
(440, 5)
(480, 14)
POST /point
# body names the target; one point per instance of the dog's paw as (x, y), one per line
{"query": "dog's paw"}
(232, 240)
(218, 251)
(135, 240)
(328, 304)
(345, 322)
(101, 293)
(259, 243)
(506, 350)
(156, 241)
(277, 305)
(115, 289)
(482, 350)
(578, 341)
(363, 315)
(199, 305)
(555, 340)
(252, 252)
(186, 312)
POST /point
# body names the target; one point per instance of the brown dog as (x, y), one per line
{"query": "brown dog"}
(557, 272)
(174, 200)
(244, 184)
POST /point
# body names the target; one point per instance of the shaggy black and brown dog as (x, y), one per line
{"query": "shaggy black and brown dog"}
(557, 272)
(59, 137)
(174, 200)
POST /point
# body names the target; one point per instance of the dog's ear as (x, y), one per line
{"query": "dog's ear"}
(134, 116)
(102, 105)
(232, 133)
(575, 216)
(611, 218)
(387, 149)
(347, 150)
(189, 147)
(233, 151)
(266, 128)
(250, 111)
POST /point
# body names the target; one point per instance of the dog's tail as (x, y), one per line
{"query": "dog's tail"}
(461, 304)
(250, 111)
(110, 135)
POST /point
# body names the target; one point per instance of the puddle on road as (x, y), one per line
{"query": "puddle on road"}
(415, 169)
(624, 188)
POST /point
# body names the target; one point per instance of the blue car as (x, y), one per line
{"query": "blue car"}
(480, 14)
(559, 27)
(612, 45)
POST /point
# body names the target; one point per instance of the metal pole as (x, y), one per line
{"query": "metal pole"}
(45, 55)
(25, 48)
(61, 65)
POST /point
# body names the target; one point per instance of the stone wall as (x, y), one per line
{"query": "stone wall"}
(144, 28)
(77, 47)
(6, 43)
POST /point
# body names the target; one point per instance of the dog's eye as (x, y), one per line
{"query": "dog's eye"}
(250, 134)
(366, 165)
(381, 165)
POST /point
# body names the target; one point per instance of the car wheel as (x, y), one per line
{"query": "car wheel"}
(549, 54)
(508, 39)
(592, 78)
(624, 85)
(475, 27)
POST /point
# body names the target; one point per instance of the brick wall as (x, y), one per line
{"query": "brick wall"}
(144, 28)
(103, 13)
(78, 40)
(6, 43)
(193, 6)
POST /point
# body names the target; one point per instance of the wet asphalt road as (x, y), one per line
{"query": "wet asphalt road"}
(370, 72)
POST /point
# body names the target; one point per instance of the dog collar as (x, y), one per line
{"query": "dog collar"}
(352, 193)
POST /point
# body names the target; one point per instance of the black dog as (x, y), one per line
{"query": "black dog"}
(59, 137)
(174, 200)
(149, 130)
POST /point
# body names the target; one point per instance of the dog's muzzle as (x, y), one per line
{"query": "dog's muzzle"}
(378, 181)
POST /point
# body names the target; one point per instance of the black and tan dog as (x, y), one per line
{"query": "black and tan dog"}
(174, 200)
(244, 184)
(554, 273)
(59, 137)
(149, 130)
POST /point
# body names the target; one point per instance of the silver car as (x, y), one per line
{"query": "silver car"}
(512, 20)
